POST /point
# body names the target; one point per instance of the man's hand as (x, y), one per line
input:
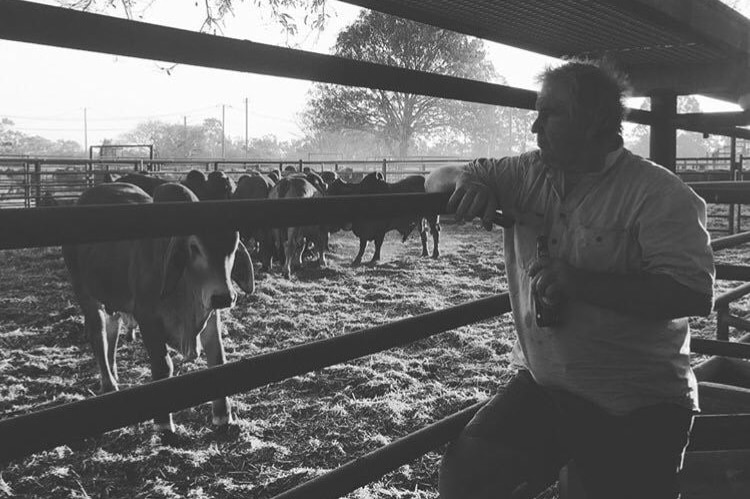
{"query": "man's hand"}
(552, 280)
(473, 199)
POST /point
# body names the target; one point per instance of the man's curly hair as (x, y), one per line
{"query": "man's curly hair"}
(598, 90)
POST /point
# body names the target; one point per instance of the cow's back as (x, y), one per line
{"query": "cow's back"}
(145, 182)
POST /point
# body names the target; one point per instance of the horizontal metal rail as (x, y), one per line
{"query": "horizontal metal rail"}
(34, 227)
(726, 298)
(374, 465)
(729, 272)
(730, 241)
(723, 348)
(40, 430)
(723, 191)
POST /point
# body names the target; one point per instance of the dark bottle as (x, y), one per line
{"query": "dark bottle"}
(546, 314)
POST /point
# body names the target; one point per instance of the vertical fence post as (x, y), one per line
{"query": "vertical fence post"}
(336, 167)
(740, 176)
(722, 323)
(216, 166)
(385, 169)
(300, 166)
(37, 182)
(26, 186)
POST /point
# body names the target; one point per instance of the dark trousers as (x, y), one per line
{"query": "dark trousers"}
(526, 433)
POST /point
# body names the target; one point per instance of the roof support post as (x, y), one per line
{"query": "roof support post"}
(663, 140)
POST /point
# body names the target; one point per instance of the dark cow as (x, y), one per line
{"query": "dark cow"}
(375, 230)
(329, 177)
(196, 182)
(146, 182)
(174, 287)
(294, 239)
(218, 186)
(341, 188)
(274, 175)
(257, 187)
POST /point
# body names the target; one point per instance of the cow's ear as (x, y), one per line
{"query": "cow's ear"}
(379, 176)
(173, 265)
(242, 271)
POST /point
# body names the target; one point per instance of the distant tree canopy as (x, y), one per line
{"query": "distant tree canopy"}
(397, 118)
(285, 12)
(173, 140)
(14, 142)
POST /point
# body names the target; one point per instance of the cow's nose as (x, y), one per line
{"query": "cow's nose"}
(225, 300)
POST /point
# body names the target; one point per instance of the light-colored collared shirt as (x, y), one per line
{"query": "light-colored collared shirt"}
(631, 217)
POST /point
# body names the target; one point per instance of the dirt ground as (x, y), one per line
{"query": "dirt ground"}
(288, 432)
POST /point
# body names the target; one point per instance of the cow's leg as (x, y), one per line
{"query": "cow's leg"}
(435, 231)
(112, 326)
(94, 324)
(362, 247)
(322, 244)
(211, 341)
(289, 250)
(265, 249)
(378, 244)
(423, 236)
(161, 366)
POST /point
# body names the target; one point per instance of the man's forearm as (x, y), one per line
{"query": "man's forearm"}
(654, 296)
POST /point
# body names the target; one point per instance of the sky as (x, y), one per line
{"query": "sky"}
(47, 90)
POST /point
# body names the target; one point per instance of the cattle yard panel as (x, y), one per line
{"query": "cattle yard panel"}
(42, 181)
(40, 430)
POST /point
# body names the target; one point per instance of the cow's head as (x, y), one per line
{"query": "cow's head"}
(219, 186)
(195, 278)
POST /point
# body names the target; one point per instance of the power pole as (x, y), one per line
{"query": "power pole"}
(222, 132)
(246, 127)
(85, 131)
(184, 132)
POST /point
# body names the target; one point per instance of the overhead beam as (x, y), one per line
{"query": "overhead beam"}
(46, 25)
(713, 120)
(729, 79)
(41, 24)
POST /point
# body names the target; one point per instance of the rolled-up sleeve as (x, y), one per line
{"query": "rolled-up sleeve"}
(673, 237)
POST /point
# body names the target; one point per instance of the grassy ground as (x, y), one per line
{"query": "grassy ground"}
(288, 432)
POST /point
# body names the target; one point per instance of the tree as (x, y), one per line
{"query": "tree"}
(13, 142)
(397, 118)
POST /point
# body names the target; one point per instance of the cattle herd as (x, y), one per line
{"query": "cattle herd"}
(175, 288)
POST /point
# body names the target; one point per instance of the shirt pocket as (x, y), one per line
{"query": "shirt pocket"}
(601, 249)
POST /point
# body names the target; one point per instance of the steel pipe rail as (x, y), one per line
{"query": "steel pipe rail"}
(374, 465)
(730, 241)
(729, 272)
(35, 227)
(723, 348)
(723, 192)
(40, 430)
(726, 298)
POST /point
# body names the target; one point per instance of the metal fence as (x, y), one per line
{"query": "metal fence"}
(31, 182)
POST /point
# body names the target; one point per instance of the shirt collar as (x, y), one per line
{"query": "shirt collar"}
(611, 159)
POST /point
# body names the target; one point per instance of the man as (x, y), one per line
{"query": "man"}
(610, 385)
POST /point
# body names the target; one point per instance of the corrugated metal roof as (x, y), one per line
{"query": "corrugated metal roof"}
(635, 33)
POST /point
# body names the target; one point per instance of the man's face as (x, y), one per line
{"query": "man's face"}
(560, 136)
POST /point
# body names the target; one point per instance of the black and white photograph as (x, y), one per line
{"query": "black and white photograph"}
(375, 249)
